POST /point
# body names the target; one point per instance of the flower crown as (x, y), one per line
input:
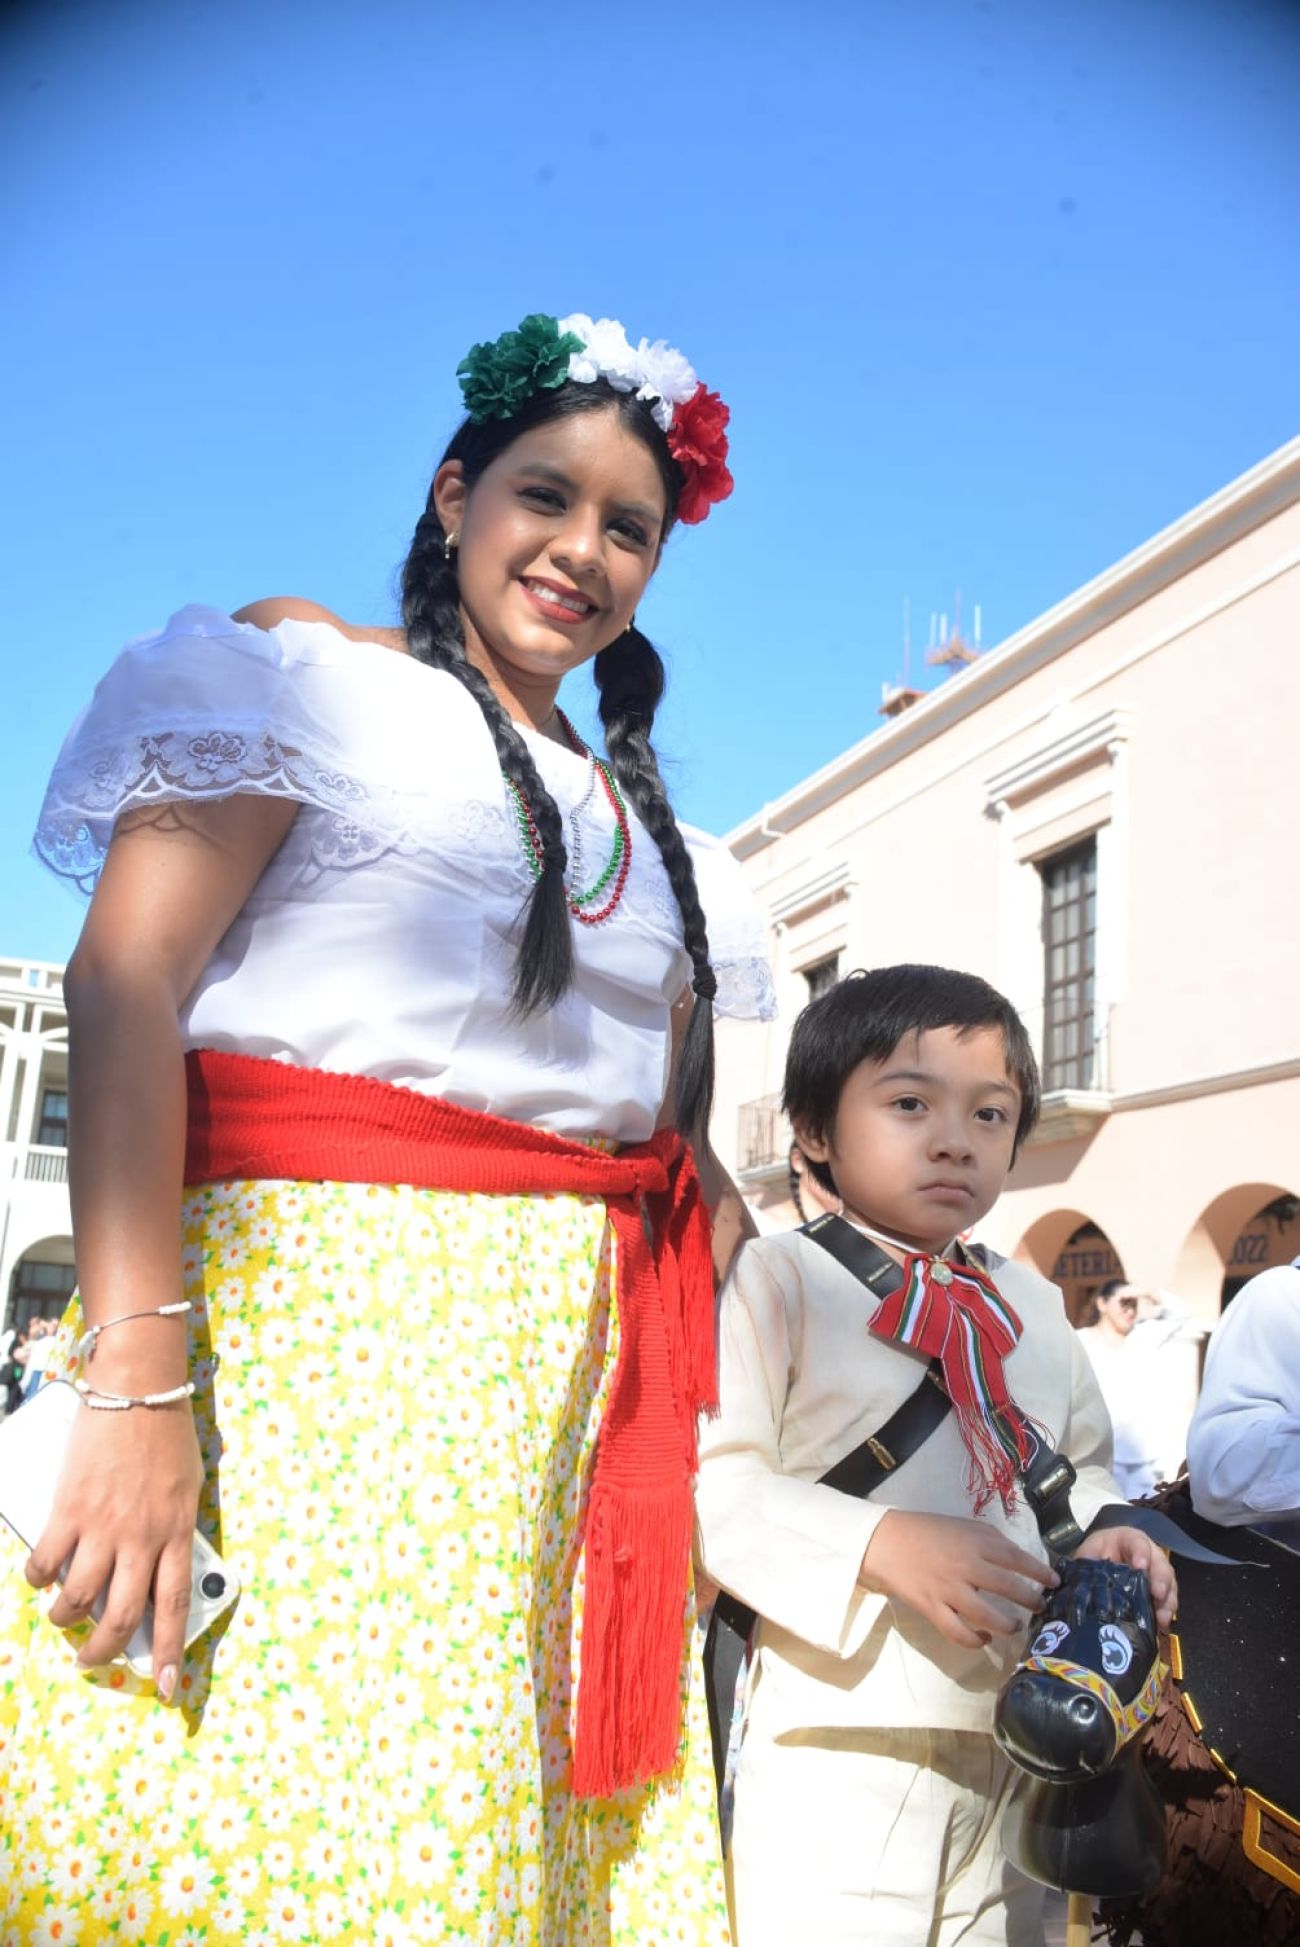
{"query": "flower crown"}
(497, 378)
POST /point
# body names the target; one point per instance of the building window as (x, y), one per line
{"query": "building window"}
(1069, 967)
(764, 1133)
(53, 1131)
(822, 977)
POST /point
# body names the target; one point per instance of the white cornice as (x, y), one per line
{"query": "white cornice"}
(1245, 504)
(1067, 1114)
(819, 891)
(1220, 1083)
(1079, 746)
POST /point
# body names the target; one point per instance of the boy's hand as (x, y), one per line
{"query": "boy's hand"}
(963, 1576)
(1130, 1545)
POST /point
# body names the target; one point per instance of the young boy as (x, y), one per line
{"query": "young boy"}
(869, 1791)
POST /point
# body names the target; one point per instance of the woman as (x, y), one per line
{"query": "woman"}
(392, 974)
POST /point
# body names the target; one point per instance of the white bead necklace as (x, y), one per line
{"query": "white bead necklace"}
(575, 874)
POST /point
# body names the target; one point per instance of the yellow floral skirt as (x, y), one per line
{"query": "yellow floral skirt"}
(398, 1397)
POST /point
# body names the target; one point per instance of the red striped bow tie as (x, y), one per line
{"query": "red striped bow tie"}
(956, 1314)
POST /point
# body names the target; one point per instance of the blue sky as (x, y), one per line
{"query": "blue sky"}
(995, 289)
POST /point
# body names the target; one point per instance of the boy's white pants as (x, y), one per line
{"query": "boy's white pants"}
(884, 1838)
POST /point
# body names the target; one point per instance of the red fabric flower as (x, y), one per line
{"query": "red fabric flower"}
(698, 443)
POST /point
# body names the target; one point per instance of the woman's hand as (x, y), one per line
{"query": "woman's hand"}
(123, 1522)
(965, 1577)
(1131, 1546)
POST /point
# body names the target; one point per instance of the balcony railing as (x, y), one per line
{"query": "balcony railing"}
(28, 979)
(1089, 1070)
(763, 1136)
(45, 1164)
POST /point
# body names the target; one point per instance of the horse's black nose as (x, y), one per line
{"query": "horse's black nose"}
(1053, 1729)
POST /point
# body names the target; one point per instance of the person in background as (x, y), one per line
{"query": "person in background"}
(1243, 1448)
(9, 1371)
(40, 1350)
(1106, 1342)
(1133, 1345)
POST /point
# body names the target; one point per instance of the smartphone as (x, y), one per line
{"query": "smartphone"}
(32, 1445)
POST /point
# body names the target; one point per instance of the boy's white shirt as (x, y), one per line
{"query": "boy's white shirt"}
(802, 1382)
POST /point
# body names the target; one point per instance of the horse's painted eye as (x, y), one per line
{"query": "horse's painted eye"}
(1116, 1650)
(1049, 1638)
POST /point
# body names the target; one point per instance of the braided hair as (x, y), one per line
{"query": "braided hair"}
(792, 1178)
(630, 678)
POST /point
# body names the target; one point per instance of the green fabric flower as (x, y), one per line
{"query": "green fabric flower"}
(497, 378)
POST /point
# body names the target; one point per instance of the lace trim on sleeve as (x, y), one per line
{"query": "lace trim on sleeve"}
(738, 937)
(89, 791)
(745, 990)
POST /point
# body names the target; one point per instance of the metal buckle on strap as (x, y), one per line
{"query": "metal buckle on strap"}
(1047, 1485)
(1063, 1537)
(1058, 1477)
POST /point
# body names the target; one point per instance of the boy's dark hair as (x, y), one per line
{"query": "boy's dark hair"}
(866, 1015)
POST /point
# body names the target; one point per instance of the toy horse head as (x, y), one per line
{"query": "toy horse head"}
(1068, 1714)
(1090, 1679)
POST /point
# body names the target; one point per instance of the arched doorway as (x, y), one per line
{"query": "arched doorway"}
(1270, 1238)
(1240, 1233)
(42, 1282)
(1075, 1253)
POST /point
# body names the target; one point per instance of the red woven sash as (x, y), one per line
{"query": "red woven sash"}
(251, 1119)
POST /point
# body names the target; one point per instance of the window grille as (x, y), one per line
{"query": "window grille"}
(764, 1134)
(1070, 967)
(53, 1131)
(822, 976)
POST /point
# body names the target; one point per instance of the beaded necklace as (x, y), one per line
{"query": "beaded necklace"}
(580, 904)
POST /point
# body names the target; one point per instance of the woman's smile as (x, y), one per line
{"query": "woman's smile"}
(558, 602)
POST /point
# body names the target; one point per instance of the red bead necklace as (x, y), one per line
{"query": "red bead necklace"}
(582, 904)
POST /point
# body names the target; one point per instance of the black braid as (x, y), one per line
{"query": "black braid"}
(792, 1177)
(631, 681)
(434, 635)
(630, 678)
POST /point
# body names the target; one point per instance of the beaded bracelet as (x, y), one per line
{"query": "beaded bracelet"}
(119, 1402)
(90, 1339)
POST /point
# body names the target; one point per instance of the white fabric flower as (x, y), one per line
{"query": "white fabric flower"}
(580, 325)
(606, 354)
(656, 372)
(666, 377)
(661, 410)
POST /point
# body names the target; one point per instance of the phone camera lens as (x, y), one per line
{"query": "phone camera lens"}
(213, 1585)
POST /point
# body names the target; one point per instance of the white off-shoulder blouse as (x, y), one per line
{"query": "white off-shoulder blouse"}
(380, 939)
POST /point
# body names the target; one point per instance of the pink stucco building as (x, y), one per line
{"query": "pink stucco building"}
(1101, 816)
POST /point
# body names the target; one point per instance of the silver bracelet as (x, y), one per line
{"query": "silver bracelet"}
(119, 1402)
(90, 1339)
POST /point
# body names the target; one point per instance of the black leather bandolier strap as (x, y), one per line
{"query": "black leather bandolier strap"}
(1046, 1480)
(858, 1473)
